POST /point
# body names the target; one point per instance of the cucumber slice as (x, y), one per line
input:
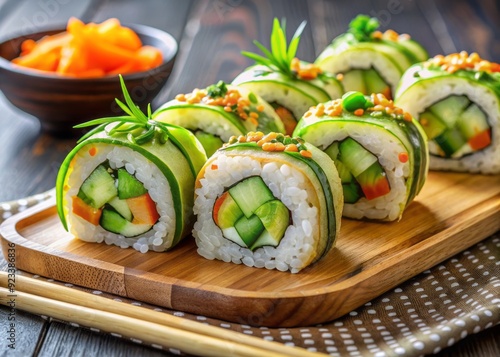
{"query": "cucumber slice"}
(450, 109)
(129, 186)
(249, 229)
(209, 142)
(231, 234)
(375, 83)
(354, 81)
(113, 222)
(472, 121)
(333, 150)
(122, 208)
(250, 194)
(352, 192)
(98, 188)
(450, 141)
(344, 173)
(432, 125)
(355, 157)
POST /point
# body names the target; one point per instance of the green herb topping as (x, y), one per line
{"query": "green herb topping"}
(138, 127)
(362, 27)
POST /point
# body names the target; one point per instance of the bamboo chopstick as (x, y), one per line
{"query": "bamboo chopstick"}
(41, 297)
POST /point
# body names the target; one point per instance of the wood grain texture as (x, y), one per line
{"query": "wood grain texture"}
(453, 212)
(65, 340)
(28, 329)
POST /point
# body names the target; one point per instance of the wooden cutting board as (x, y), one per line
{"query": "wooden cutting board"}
(453, 212)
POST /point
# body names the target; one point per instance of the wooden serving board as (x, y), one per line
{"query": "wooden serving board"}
(453, 212)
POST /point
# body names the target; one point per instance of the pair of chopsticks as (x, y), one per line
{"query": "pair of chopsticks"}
(71, 305)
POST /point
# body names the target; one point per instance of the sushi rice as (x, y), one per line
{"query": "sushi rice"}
(152, 179)
(415, 99)
(289, 184)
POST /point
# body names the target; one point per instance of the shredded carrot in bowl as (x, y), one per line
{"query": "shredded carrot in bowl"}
(90, 50)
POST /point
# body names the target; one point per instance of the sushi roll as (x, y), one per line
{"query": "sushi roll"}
(216, 113)
(267, 201)
(456, 98)
(290, 85)
(379, 150)
(369, 60)
(130, 182)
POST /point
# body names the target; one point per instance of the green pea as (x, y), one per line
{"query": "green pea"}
(353, 100)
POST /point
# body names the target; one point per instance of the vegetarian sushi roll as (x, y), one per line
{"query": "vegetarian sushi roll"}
(456, 98)
(218, 112)
(369, 60)
(267, 201)
(379, 150)
(290, 85)
(130, 182)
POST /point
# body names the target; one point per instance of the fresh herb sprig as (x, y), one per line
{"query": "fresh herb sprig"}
(363, 26)
(280, 56)
(139, 127)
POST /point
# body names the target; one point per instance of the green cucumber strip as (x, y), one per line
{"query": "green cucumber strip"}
(449, 109)
(250, 193)
(354, 81)
(205, 111)
(249, 229)
(472, 121)
(98, 188)
(112, 221)
(432, 125)
(355, 157)
(450, 141)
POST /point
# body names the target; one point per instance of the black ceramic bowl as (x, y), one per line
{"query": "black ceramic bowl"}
(62, 102)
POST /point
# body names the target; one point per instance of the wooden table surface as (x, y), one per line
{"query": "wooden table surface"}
(211, 35)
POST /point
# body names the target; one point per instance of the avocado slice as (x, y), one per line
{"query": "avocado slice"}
(373, 181)
(226, 211)
(275, 218)
(250, 193)
(128, 185)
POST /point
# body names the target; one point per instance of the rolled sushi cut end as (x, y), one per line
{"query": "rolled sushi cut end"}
(130, 182)
(379, 150)
(268, 201)
(456, 99)
(216, 113)
(368, 60)
(291, 86)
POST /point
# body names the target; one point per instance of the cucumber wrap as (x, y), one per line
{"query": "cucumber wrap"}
(130, 182)
(296, 95)
(217, 113)
(459, 109)
(380, 153)
(370, 61)
(263, 206)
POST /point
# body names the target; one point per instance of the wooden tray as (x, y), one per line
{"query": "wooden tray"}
(453, 212)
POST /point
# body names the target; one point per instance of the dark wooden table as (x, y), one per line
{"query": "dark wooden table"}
(211, 35)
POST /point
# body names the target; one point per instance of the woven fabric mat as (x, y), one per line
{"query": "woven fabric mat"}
(434, 310)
